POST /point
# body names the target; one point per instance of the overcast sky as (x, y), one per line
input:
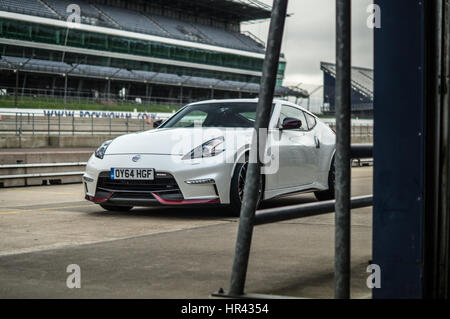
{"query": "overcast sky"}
(309, 38)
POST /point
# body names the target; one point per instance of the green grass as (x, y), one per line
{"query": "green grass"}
(74, 104)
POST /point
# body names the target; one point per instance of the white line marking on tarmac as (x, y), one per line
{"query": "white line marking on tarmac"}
(78, 244)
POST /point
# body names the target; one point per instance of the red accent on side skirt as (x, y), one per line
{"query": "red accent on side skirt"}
(186, 201)
(98, 199)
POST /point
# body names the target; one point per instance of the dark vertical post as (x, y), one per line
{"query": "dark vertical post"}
(20, 130)
(436, 148)
(443, 285)
(16, 88)
(23, 85)
(437, 236)
(251, 187)
(342, 161)
(108, 93)
(398, 178)
(65, 90)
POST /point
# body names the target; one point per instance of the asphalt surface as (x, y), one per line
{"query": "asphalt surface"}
(166, 252)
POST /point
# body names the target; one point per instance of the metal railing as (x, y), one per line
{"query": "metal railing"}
(20, 123)
(343, 203)
(25, 123)
(20, 167)
(277, 214)
(358, 129)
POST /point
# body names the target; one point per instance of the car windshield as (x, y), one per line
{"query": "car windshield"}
(231, 114)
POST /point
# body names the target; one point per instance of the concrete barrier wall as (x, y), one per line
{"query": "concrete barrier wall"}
(42, 156)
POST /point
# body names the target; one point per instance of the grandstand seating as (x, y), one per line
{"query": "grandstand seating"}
(178, 29)
(362, 79)
(89, 15)
(130, 20)
(227, 38)
(249, 41)
(114, 17)
(45, 66)
(33, 7)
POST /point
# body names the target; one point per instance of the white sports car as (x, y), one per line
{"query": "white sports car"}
(199, 156)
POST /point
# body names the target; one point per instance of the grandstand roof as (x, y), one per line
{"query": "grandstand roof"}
(101, 72)
(235, 10)
(362, 78)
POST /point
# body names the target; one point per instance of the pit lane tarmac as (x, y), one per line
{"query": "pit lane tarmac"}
(166, 252)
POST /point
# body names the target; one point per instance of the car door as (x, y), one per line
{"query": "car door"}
(297, 151)
(316, 156)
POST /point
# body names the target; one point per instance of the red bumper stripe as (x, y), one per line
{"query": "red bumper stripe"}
(98, 199)
(186, 201)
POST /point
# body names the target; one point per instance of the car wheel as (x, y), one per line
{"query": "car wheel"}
(237, 188)
(329, 193)
(116, 208)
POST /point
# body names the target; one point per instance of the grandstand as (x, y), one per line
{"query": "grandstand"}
(171, 50)
(362, 90)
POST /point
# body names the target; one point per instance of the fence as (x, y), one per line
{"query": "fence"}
(358, 129)
(343, 203)
(21, 123)
(85, 98)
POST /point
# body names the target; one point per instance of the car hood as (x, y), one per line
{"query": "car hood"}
(176, 141)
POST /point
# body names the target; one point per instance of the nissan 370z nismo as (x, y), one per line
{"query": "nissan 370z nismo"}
(200, 155)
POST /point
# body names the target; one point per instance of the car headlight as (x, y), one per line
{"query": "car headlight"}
(100, 152)
(208, 149)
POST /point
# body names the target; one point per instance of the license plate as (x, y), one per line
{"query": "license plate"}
(133, 173)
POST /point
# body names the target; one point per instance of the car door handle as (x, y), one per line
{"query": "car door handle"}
(316, 140)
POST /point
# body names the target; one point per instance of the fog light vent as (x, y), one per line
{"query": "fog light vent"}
(200, 181)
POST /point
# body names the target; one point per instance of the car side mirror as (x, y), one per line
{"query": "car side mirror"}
(157, 123)
(290, 123)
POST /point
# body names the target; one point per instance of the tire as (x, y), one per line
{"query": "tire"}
(237, 188)
(116, 208)
(329, 193)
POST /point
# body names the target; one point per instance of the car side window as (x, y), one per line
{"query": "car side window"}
(310, 120)
(290, 111)
(195, 117)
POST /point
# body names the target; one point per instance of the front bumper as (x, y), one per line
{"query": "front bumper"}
(153, 200)
(171, 191)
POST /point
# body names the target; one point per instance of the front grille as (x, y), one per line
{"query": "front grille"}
(165, 186)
